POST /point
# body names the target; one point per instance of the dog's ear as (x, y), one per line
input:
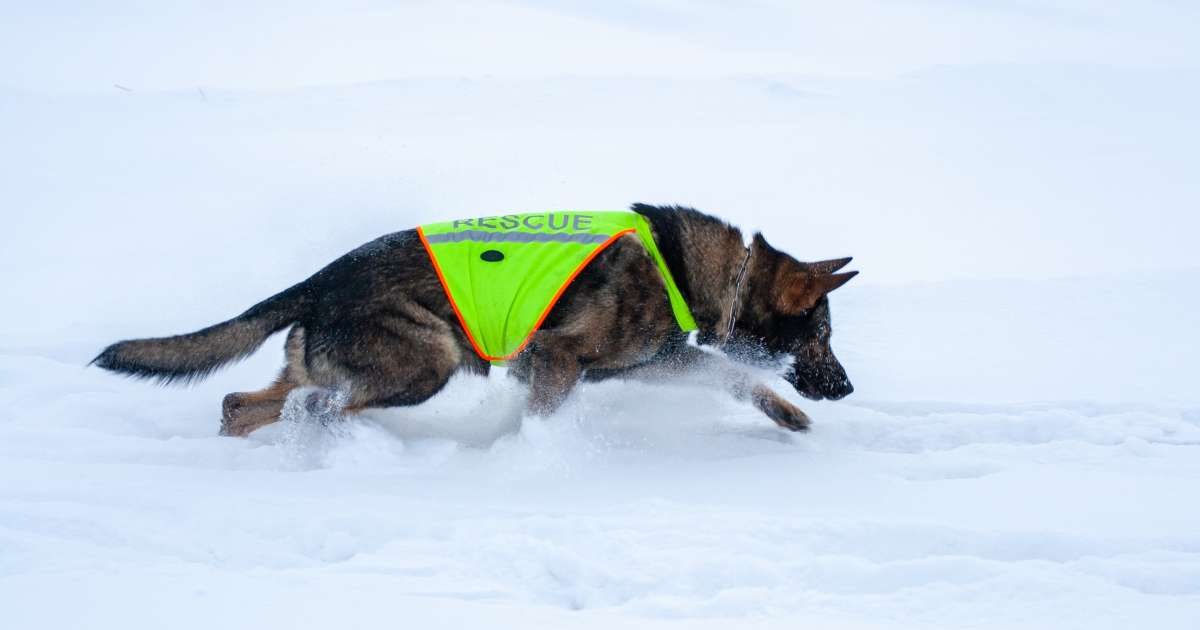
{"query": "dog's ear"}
(800, 291)
(760, 243)
(828, 266)
(832, 281)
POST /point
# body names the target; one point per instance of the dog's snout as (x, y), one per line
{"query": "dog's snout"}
(840, 390)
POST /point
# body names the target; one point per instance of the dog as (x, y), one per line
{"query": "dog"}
(375, 328)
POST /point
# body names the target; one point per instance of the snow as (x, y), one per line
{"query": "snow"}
(635, 505)
(1022, 449)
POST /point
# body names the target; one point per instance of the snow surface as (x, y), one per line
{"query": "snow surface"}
(1022, 449)
(635, 505)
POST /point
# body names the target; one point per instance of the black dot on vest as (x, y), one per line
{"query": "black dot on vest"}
(492, 255)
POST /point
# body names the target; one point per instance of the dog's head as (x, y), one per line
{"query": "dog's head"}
(785, 313)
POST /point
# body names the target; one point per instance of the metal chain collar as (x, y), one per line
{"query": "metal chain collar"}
(735, 302)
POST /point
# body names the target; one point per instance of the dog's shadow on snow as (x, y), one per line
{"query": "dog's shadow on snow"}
(477, 412)
(599, 418)
(471, 411)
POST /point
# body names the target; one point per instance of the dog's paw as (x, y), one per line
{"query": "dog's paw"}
(239, 417)
(325, 405)
(784, 413)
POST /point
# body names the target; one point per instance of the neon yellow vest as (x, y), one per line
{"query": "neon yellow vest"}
(504, 274)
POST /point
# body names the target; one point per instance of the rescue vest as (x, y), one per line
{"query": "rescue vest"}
(504, 274)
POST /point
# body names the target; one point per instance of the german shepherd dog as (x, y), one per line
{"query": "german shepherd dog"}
(375, 329)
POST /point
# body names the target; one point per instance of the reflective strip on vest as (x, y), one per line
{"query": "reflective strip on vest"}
(515, 237)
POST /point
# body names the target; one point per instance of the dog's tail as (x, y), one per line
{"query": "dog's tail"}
(191, 357)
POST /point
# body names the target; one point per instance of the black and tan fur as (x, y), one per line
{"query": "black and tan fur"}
(376, 326)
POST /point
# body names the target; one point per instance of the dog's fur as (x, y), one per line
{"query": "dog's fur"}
(375, 325)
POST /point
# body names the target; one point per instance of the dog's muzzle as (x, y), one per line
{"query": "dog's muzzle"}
(826, 382)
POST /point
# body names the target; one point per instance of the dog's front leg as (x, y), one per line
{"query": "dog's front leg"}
(777, 408)
(554, 371)
(708, 369)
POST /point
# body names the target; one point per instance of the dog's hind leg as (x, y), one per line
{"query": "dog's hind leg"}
(244, 412)
(400, 355)
(395, 356)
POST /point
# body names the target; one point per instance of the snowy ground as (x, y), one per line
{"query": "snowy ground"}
(634, 505)
(1022, 450)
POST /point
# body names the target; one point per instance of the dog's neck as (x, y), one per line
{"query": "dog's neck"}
(704, 255)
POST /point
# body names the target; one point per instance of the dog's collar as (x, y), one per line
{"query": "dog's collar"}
(735, 301)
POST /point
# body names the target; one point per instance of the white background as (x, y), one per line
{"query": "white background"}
(1016, 181)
